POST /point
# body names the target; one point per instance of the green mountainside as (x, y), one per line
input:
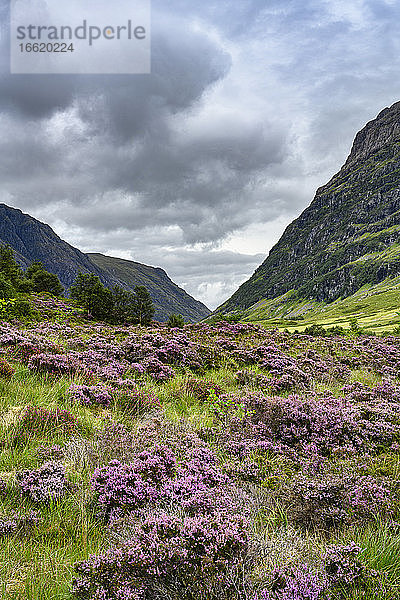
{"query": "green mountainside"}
(165, 293)
(32, 240)
(348, 238)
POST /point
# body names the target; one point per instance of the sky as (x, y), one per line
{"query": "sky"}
(199, 166)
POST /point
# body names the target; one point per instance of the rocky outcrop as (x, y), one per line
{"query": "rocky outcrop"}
(349, 235)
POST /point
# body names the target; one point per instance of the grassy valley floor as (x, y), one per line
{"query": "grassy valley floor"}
(376, 308)
(206, 463)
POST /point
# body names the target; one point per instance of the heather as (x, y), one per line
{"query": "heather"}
(196, 462)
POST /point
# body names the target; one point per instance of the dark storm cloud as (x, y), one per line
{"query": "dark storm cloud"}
(250, 106)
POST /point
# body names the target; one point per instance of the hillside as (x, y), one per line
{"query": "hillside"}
(165, 293)
(349, 235)
(33, 240)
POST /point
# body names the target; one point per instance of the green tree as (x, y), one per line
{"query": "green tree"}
(88, 291)
(6, 289)
(43, 281)
(175, 321)
(124, 305)
(143, 306)
(9, 267)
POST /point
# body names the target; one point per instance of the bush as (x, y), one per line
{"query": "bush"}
(298, 582)
(60, 364)
(90, 395)
(18, 307)
(201, 389)
(6, 370)
(175, 321)
(190, 555)
(17, 523)
(43, 484)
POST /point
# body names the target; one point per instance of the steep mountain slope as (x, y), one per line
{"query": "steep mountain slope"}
(33, 240)
(350, 234)
(164, 291)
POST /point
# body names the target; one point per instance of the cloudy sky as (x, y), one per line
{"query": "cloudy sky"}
(199, 166)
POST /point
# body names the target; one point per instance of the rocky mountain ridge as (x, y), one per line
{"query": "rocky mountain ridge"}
(33, 240)
(350, 233)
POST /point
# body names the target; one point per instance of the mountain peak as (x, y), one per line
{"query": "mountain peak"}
(382, 131)
(349, 236)
(33, 240)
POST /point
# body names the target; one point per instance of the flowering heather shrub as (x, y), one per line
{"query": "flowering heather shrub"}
(358, 392)
(342, 565)
(155, 477)
(317, 501)
(243, 356)
(17, 523)
(46, 483)
(114, 441)
(329, 500)
(60, 364)
(299, 582)
(36, 420)
(121, 488)
(101, 364)
(367, 497)
(201, 389)
(90, 395)
(191, 555)
(6, 370)
(327, 424)
(157, 370)
(300, 422)
(49, 452)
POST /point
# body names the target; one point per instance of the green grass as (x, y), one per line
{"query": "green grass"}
(40, 566)
(377, 309)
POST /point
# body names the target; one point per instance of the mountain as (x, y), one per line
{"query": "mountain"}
(32, 240)
(348, 237)
(165, 293)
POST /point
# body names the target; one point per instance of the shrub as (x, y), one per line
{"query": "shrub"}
(121, 488)
(17, 523)
(329, 500)
(201, 389)
(54, 363)
(47, 453)
(343, 566)
(43, 484)
(157, 370)
(298, 582)
(155, 478)
(175, 321)
(90, 395)
(6, 370)
(190, 555)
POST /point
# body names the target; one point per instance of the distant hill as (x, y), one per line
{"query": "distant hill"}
(164, 291)
(36, 241)
(347, 238)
